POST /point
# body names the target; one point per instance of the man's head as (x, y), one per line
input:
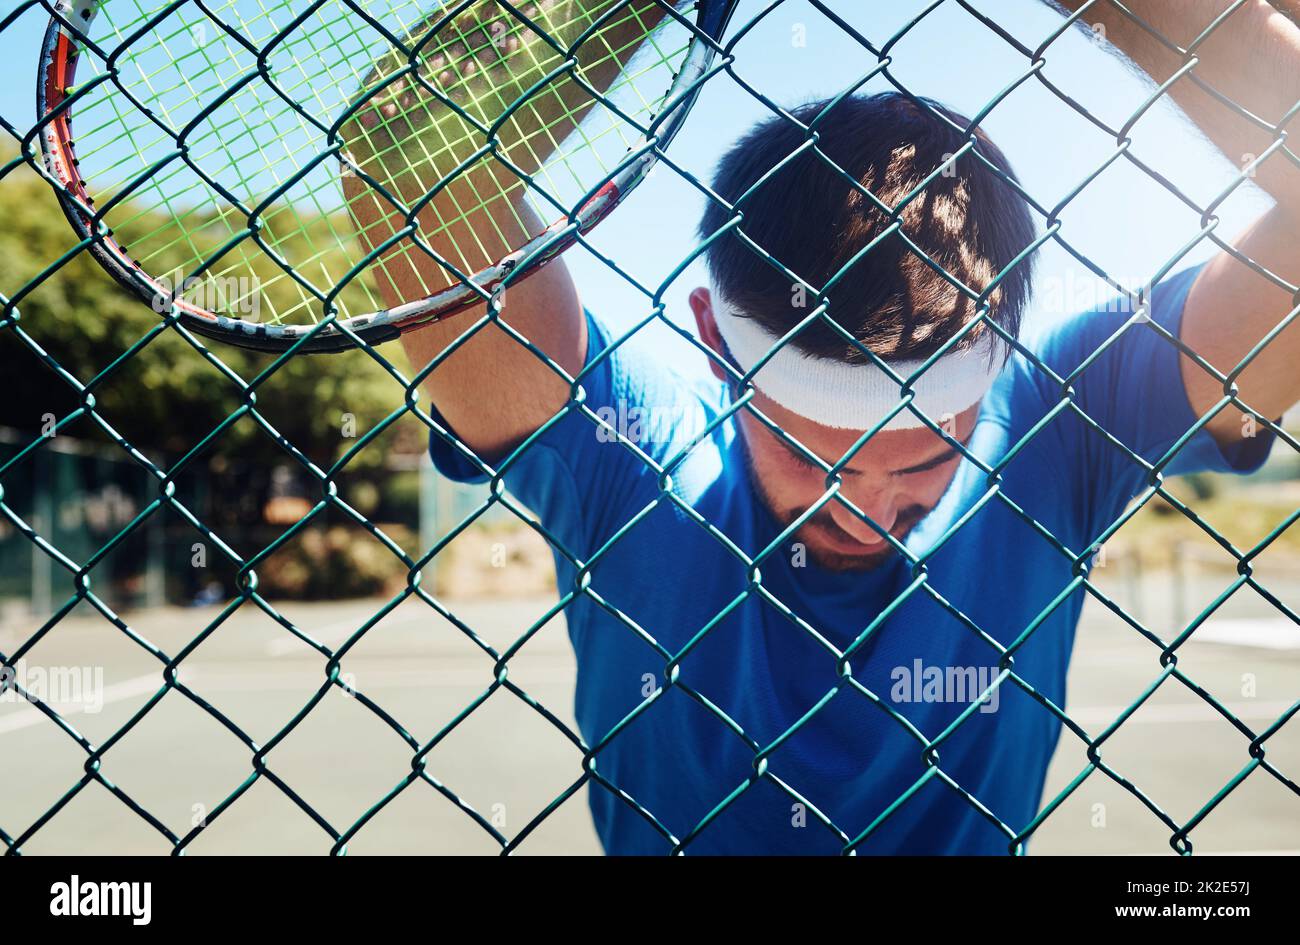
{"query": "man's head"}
(811, 225)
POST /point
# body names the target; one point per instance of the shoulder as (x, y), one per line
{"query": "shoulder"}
(652, 388)
(1088, 354)
(1116, 324)
(662, 421)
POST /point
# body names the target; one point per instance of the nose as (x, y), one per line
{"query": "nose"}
(882, 509)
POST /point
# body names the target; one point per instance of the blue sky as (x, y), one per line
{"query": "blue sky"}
(1124, 221)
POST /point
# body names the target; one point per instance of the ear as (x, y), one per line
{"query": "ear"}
(702, 305)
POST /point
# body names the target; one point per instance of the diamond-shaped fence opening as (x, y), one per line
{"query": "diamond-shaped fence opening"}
(565, 572)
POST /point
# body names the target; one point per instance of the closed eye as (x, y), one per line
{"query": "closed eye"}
(947, 456)
(943, 458)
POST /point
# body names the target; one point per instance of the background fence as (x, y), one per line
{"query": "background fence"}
(79, 495)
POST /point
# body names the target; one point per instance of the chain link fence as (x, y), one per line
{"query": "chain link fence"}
(242, 408)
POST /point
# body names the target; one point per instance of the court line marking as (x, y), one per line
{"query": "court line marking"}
(474, 677)
(128, 688)
(1272, 633)
(1177, 714)
(333, 634)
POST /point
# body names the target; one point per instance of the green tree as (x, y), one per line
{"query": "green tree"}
(167, 396)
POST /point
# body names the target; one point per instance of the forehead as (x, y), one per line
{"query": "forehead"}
(887, 448)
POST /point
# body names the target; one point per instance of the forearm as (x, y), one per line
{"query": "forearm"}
(492, 390)
(1251, 58)
(1230, 310)
(482, 64)
(414, 142)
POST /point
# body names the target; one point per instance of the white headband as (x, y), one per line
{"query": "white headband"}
(858, 396)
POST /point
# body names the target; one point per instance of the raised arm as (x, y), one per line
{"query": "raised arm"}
(1252, 58)
(492, 390)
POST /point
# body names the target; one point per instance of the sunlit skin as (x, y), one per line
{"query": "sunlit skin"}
(896, 478)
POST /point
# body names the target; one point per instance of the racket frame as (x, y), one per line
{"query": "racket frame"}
(60, 50)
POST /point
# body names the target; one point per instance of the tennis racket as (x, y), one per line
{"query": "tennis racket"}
(209, 152)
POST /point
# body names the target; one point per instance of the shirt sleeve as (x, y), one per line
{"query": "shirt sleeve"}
(1128, 404)
(587, 471)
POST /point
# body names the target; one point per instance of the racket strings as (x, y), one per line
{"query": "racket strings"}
(463, 212)
(585, 138)
(254, 143)
(551, 94)
(221, 143)
(460, 213)
(242, 124)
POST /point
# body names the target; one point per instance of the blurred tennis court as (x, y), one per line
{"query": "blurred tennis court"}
(509, 762)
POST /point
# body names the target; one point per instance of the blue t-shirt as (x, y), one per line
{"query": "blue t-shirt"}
(842, 757)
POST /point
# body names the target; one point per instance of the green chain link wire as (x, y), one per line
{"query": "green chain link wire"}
(329, 299)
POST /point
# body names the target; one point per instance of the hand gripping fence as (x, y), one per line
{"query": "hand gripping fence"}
(79, 570)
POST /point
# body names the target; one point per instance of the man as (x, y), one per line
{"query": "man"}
(767, 651)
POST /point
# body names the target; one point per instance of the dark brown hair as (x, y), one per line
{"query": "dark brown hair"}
(807, 216)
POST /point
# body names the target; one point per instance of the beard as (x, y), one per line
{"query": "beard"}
(821, 537)
(824, 540)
